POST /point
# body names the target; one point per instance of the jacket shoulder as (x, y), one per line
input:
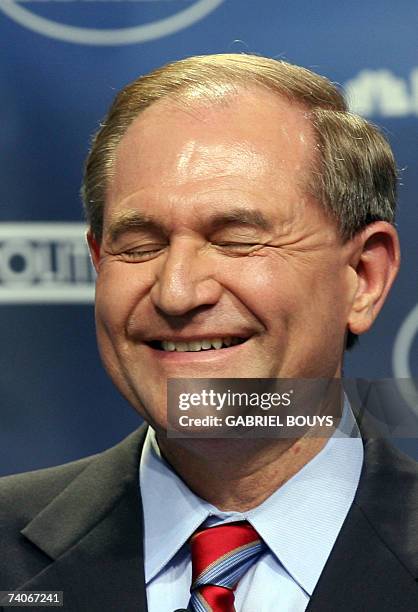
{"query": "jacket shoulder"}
(22, 496)
(47, 512)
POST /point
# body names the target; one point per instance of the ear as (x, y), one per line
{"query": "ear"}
(94, 248)
(376, 265)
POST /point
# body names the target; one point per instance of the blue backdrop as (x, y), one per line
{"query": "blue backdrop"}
(61, 64)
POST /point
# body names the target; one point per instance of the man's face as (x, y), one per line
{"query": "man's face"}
(210, 240)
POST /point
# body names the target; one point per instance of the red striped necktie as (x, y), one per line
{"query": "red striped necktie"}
(220, 557)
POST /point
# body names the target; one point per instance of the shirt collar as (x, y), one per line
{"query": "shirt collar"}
(166, 501)
(299, 522)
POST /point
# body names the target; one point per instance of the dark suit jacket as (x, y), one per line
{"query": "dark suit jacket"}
(78, 528)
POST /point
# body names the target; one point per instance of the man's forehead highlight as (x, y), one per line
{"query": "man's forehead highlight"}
(291, 121)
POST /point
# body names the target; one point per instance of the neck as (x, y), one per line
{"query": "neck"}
(236, 474)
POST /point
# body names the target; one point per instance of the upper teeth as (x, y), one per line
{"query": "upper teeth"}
(199, 345)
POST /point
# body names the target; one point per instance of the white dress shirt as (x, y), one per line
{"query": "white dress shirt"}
(299, 523)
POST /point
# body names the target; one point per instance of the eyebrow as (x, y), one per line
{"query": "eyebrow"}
(243, 216)
(136, 221)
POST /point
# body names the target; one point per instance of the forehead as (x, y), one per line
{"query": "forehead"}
(248, 138)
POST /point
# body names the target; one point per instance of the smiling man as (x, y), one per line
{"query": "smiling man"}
(241, 225)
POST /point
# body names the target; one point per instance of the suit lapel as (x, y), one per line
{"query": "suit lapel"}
(92, 532)
(363, 574)
(374, 562)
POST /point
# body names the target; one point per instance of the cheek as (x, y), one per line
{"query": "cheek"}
(119, 287)
(281, 291)
(264, 287)
(271, 281)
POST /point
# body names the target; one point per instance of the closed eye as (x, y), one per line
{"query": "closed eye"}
(143, 254)
(238, 247)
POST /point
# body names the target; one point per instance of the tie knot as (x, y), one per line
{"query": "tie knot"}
(220, 557)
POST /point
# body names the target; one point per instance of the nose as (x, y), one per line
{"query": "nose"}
(185, 281)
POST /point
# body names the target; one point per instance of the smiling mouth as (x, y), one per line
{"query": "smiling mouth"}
(206, 344)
